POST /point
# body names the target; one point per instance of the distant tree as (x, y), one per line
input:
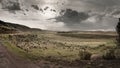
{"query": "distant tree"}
(118, 31)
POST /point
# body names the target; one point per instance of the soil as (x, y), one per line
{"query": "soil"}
(9, 60)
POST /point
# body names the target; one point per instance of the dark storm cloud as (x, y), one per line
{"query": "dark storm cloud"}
(103, 2)
(72, 17)
(117, 12)
(10, 5)
(0, 1)
(96, 5)
(35, 7)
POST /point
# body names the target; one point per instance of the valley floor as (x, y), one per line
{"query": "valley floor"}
(55, 50)
(9, 60)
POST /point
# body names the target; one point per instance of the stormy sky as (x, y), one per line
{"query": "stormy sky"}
(62, 15)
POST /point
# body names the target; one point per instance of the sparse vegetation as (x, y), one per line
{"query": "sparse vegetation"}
(117, 54)
(59, 49)
(84, 55)
(44, 45)
(109, 54)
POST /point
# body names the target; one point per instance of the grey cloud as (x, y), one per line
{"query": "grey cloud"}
(76, 18)
(103, 2)
(72, 17)
(11, 5)
(101, 23)
(96, 5)
(0, 1)
(35, 7)
(116, 12)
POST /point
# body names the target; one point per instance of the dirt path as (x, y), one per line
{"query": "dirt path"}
(9, 60)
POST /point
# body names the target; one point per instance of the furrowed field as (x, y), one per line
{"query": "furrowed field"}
(62, 47)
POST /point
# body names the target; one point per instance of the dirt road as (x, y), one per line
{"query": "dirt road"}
(9, 60)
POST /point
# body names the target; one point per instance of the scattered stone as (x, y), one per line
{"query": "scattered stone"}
(95, 57)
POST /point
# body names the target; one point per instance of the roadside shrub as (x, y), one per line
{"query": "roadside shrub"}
(102, 45)
(84, 55)
(117, 54)
(109, 54)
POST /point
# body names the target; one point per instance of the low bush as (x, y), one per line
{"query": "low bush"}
(84, 55)
(109, 54)
(117, 54)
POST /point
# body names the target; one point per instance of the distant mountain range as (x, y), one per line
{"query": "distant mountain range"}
(6, 27)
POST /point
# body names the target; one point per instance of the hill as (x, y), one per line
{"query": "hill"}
(6, 27)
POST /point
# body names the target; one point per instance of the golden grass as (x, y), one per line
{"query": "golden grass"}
(59, 47)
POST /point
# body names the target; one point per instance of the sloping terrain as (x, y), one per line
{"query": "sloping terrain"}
(6, 27)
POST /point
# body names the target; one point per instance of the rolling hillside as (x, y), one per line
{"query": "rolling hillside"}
(6, 27)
